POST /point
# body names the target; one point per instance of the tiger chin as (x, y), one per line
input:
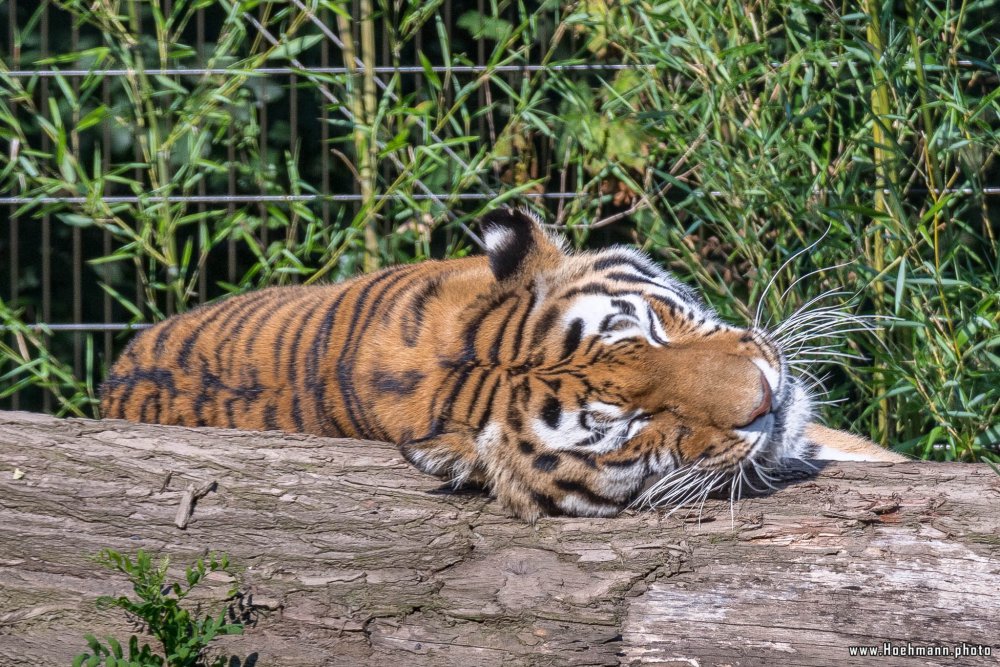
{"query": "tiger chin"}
(565, 383)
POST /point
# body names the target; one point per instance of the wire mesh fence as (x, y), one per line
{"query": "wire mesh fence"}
(160, 154)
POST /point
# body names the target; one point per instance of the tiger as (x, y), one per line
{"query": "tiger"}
(563, 383)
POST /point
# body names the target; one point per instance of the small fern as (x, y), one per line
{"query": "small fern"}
(183, 635)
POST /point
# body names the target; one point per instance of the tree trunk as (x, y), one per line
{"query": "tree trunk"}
(351, 557)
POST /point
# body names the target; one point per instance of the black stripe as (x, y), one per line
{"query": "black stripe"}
(653, 317)
(501, 333)
(546, 462)
(165, 329)
(671, 305)
(279, 344)
(547, 504)
(554, 384)
(488, 405)
(297, 412)
(270, 417)
(293, 349)
(317, 352)
(552, 412)
(623, 306)
(514, 417)
(596, 288)
(632, 278)
(412, 320)
(352, 343)
(160, 377)
(573, 337)
(228, 405)
(471, 332)
(624, 260)
(544, 325)
(199, 327)
(584, 458)
(519, 332)
(402, 383)
(571, 486)
(624, 463)
(462, 377)
(230, 332)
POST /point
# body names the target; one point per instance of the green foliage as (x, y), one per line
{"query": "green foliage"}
(738, 136)
(182, 634)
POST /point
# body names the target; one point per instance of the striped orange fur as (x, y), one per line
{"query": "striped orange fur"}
(564, 383)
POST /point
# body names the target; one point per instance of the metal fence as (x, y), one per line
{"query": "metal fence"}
(46, 271)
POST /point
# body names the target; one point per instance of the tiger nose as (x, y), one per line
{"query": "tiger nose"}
(765, 401)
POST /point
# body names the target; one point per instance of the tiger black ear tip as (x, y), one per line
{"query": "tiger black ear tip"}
(507, 235)
(504, 227)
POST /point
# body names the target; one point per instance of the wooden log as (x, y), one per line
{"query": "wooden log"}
(351, 557)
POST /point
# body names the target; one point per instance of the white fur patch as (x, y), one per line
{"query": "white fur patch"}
(488, 439)
(496, 238)
(610, 430)
(577, 506)
(594, 309)
(773, 377)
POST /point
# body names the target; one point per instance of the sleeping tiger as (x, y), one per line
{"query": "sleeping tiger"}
(564, 383)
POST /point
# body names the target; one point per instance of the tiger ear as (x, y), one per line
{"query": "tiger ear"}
(517, 245)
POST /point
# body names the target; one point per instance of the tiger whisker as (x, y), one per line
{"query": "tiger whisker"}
(784, 265)
(806, 313)
(680, 491)
(806, 310)
(825, 322)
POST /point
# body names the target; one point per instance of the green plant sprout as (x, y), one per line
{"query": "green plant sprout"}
(182, 635)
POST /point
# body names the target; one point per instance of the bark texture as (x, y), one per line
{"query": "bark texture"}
(351, 557)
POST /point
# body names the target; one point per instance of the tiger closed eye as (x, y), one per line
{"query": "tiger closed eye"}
(622, 323)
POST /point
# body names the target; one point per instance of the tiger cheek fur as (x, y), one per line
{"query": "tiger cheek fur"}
(562, 382)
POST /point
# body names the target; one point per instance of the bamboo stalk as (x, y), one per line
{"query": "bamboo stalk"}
(885, 177)
(362, 101)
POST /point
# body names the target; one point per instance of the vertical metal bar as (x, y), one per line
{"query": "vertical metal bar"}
(77, 241)
(140, 176)
(324, 131)
(544, 153)
(356, 89)
(418, 45)
(481, 61)
(386, 61)
(199, 41)
(293, 139)
(263, 144)
(107, 309)
(231, 207)
(46, 249)
(15, 246)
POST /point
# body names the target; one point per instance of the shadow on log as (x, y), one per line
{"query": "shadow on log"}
(351, 557)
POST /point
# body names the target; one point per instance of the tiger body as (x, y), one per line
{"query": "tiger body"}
(563, 382)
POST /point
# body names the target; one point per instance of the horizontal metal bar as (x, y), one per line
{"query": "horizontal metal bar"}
(81, 326)
(258, 199)
(385, 69)
(468, 196)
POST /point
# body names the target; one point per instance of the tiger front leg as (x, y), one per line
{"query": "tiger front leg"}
(511, 468)
(448, 456)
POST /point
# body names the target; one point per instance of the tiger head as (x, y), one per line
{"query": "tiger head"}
(621, 384)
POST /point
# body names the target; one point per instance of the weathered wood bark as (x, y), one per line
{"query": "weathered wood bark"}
(352, 558)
